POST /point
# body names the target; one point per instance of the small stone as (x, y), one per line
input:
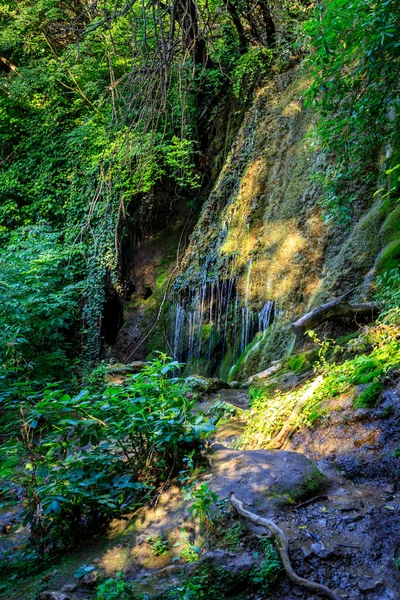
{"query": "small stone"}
(353, 518)
(319, 550)
(90, 579)
(70, 587)
(369, 584)
(389, 489)
(307, 552)
(48, 595)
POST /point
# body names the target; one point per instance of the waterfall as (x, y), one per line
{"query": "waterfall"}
(211, 322)
(214, 320)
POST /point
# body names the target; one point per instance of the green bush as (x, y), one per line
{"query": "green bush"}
(86, 459)
(115, 589)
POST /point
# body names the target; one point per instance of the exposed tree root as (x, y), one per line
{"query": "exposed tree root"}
(282, 544)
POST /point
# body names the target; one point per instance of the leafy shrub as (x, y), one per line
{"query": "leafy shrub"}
(354, 60)
(388, 288)
(85, 459)
(159, 545)
(115, 589)
(201, 508)
(40, 287)
(265, 575)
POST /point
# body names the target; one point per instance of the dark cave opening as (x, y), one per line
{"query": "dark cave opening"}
(113, 316)
(147, 293)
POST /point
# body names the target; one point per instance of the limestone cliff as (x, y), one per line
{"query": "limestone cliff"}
(261, 252)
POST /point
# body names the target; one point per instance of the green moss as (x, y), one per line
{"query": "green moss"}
(364, 369)
(371, 375)
(312, 484)
(273, 344)
(301, 362)
(391, 227)
(389, 258)
(369, 396)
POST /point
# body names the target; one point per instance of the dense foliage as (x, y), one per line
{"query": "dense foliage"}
(84, 459)
(101, 102)
(355, 62)
(101, 105)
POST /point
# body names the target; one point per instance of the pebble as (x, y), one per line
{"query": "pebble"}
(49, 595)
(319, 550)
(70, 587)
(369, 584)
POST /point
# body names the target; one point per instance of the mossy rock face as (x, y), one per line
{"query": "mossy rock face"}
(298, 363)
(389, 258)
(273, 345)
(391, 227)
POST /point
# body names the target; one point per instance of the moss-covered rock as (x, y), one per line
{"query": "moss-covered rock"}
(389, 258)
(391, 227)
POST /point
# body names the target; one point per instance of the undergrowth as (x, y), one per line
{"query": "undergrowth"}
(375, 352)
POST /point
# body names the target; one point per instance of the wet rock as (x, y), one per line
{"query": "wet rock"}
(49, 595)
(369, 584)
(70, 587)
(234, 385)
(90, 579)
(206, 385)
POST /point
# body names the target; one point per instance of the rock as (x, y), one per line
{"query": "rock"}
(48, 595)
(234, 385)
(236, 563)
(369, 584)
(70, 587)
(90, 579)
(48, 576)
(353, 518)
(266, 479)
(389, 489)
(206, 385)
(319, 550)
(307, 551)
(117, 373)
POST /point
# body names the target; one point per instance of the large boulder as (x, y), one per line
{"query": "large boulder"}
(265, 479)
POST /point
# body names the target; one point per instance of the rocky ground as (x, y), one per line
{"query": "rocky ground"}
(345, 534)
